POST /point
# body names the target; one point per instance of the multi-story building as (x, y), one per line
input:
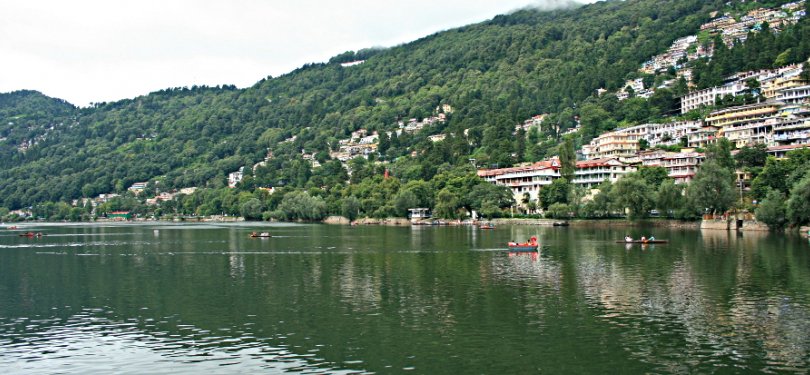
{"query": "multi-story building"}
(591, 173)
(745, 124)
(137, 187)
(707, 97)
(793, 126)
(791, 131)
(787, 77)
(682, 166)
(618, 144)
(524, 180)
(670, 133)
(531, 178)
(702, 137)
(794, 95)
(780, 152)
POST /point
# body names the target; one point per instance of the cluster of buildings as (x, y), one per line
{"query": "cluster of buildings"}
(527, 181)
(683, 49)
(361, 143)
(783, 84)
(732, 30)
(781, 126)
(691, 48)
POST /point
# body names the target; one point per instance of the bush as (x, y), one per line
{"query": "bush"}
(558, 211)
(772, 210)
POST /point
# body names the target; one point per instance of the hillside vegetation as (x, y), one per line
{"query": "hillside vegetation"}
(494, 74)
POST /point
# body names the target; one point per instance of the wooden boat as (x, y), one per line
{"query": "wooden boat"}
(30, 234)
(644, 241)
(560, 223)
(260, 235)
(486, 226)
(532, 245)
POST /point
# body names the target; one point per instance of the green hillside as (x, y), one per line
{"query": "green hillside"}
(494, 74)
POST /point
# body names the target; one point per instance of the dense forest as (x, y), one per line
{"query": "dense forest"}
(494, 74)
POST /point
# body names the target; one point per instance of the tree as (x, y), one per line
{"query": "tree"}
(720, 152)
(486, 194)
(447, 205)
(751, 157)
(653, 176)
(568, 160)
(773, 176)
(251, 209)
(670, 197)
(559, 211)
(299, 205)
(633, 194)
(643, 144)
(556, 192)
(405, 200)
(712, 189)
(798, 206)
(772, 210)
(350, 208)
(384, 143)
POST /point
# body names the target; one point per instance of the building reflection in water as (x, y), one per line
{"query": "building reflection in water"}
(680, 292)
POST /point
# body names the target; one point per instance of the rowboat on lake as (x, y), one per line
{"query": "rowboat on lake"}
(644, 241)
(260, 235)
(526, 246)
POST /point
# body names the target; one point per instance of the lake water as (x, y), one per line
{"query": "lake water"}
(206, 298)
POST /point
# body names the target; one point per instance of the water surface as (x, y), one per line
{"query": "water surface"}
(163, 298)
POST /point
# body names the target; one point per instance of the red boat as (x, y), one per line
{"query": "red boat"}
(526, 246)
(486, 226)
(31, 234)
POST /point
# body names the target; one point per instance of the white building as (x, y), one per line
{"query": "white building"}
(794, 95)
(670, 133)
(591, 173)
(235, 177)
(707, 97)
(682, 166)
(619, 143)
(524, 180)
(530, 179)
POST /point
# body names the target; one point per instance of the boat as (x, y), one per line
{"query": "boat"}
(532, 245)
(30, 234)
(560, 223)
(644, 241)
(486, 226)
(260, 235)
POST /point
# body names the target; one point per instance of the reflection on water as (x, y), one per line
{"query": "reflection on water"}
(322, 299)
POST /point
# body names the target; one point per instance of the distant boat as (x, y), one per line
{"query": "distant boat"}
(30, 234)
(560, 224)
(260, 235)
(486, 226)
(527, 246)
(644, 241)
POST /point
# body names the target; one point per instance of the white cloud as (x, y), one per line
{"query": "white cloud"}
(95, 50)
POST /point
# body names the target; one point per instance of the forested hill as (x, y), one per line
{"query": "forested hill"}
(494, 74)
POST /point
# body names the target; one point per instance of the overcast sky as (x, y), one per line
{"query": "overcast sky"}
(104, 50)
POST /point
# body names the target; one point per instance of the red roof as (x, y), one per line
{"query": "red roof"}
(594, 163)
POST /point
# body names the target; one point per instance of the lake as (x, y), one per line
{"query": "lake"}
(206, 298)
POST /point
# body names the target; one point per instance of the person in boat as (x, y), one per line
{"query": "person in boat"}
(628, 239)
(643, 239)
(253, 234)
(652, 238)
